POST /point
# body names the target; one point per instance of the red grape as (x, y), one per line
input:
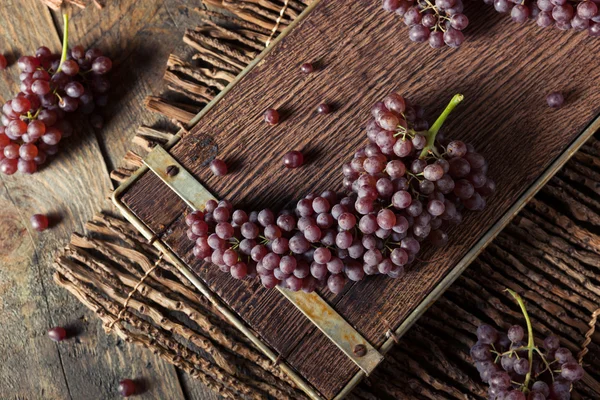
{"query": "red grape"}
(324, 109)
(39, 222)
(57, 334)
(127, 388)
(307, 68)
(218, 167)
(271, 116)
(293, 159)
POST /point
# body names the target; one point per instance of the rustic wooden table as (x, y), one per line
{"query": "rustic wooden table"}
(73, 187)
(139, 37)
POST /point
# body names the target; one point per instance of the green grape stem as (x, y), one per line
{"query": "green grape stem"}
(65, 43)
(435, 128)
(530, 339)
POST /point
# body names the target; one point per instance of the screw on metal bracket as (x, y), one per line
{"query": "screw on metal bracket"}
(172, 170)
(360, 350)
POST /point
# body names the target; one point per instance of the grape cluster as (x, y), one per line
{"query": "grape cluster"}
(516, 369)
(35, 120)
(439, 22)
(417, 182)
(564, 14)
(407, 185)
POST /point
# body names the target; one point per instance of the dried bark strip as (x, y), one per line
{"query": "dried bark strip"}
(495, 255)
(158, 105)
(580, 211)
(205, 75)
(262, 21)
(206, 14)
(160, 319)
(591, 203)
(231, 34)
(251, 7)
(557, 244)
(536, 294)
(572, 278)
(124, 283)
(151, 338)
(148, 138)
(216, 62)
(203, 93)
(223, 337)
(558, 222)
(570, 175)
(217, 46)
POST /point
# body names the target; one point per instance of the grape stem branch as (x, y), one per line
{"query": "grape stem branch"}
(65, 43)
(433, 131)
(530, 340)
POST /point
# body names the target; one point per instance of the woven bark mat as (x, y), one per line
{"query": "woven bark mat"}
(550, 254)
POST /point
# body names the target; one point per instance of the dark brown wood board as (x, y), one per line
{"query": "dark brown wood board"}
(504, 70)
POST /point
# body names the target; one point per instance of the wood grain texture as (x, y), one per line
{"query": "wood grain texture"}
(72, 186)
(504, 70)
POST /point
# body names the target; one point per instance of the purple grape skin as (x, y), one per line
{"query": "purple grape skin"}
(418, 33)
(487, 334)
(587, 9)
(563, 13)
(520, 13)
(436, 39)
(453, 38)
(412, 17)
(391, 5)
(459, 21)
(502, 6)
(555, 99)
(572, 371)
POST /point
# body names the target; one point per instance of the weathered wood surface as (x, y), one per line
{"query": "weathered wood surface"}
(362, 54)
(72, 187)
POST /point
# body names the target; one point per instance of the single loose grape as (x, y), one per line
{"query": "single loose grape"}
(218, 167)
(57, 334)
(307, 68)
(271, 116)
(324, 108)
(555, 100)
(293, 159)
(127, 388)
(39, 222)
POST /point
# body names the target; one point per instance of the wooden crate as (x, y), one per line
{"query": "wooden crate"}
(362, 53)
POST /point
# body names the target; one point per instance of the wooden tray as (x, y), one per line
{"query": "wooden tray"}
(362, 53)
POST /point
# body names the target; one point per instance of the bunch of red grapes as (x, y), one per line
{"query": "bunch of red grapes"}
(406, 187)
(564, 14)
(438, 22)
(516, 369)
(35, 120)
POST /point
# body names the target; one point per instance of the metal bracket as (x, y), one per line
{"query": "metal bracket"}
(321, 314)
(336, 328)
(177, 178)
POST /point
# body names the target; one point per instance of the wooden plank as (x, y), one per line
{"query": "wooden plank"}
(505, 117)
(90, 364)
